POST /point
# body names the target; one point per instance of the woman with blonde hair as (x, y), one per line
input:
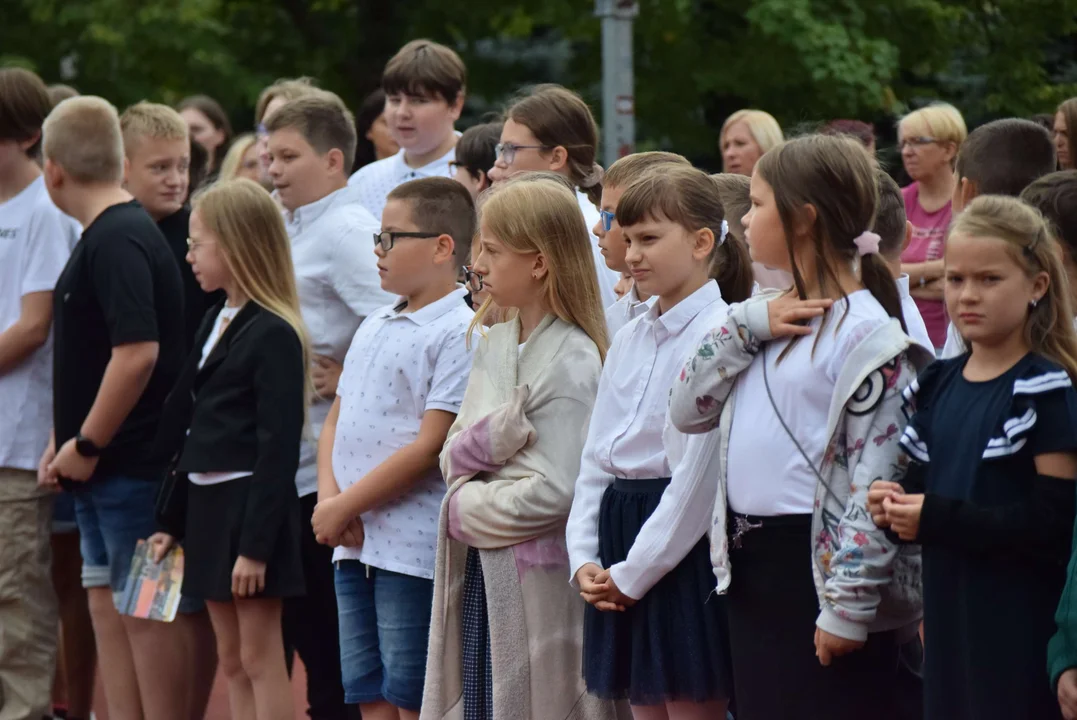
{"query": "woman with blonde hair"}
(745, 136)
(234, 423)
(507, 628)
(929, 139)
(242, 161)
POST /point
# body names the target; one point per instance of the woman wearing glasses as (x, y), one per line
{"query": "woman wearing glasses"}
(552, 129)
(929, 139)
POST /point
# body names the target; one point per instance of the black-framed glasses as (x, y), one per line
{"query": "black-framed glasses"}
(473, 280)
(607, 219)
(508, 150)
(917, 141)
(387, 239)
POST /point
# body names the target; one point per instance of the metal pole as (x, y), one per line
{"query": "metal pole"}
(618, 85)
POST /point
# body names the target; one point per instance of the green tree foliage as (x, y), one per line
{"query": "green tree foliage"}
(696, 60)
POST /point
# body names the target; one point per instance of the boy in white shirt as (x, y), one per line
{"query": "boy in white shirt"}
(35, 242)
(611, 240)
(895, 231)
(311, 143)
(424, 86)
(379, 485)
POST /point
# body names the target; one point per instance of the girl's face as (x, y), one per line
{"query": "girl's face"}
(521, 152)
(250, 166)
(612, 241)
(206, 257)
(511, 279)
(379, 135)
(1062, 142)
(924, 156)
(740, 151)
(202, 130)
(665, 257)
(987, 293)
(763, 229)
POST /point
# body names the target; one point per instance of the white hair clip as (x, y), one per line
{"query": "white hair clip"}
(724, 232)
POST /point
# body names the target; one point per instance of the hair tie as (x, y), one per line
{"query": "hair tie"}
(592, 178)
(723, 233)
(867, 243)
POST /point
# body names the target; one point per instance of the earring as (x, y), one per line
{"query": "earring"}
(1032, 303)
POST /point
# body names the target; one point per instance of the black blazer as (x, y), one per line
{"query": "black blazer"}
(244, 409)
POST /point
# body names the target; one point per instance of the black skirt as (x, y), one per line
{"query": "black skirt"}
(672, 644)
(215, 515)
(773, 607)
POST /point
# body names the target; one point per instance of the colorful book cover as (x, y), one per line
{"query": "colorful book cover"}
(153, 589)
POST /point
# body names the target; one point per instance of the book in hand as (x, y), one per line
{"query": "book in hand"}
(153, 589)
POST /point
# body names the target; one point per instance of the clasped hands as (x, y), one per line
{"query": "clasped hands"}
(891, 507)
(335, 526)
(599, 589)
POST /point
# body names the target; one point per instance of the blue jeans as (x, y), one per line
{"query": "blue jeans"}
(384, 629)
(113, 514)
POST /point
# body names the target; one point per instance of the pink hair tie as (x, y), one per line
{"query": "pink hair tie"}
(867, 243)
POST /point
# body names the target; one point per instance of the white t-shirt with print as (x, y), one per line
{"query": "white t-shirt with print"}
(36, 240)
(399, 366)
(375, 181)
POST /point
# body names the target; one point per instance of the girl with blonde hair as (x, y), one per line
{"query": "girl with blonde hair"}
(234, 423)
(505, 638)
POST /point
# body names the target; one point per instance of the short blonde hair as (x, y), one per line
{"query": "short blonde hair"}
(232, 161)
(941, 121)
(82, 135)
(764, 128)
(286, 89)
(153, 121)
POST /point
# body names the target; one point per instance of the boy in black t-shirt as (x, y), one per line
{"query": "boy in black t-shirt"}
(118, 324)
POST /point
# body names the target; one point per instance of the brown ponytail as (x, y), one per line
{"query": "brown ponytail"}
(558, 117)
(689, 197)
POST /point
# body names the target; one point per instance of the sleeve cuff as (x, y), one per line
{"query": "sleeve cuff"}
(757, 318)
(448, 407)
(631, 584)
(834, 624)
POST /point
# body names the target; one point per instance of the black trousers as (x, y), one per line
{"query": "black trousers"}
(773, 608)
(310, 624)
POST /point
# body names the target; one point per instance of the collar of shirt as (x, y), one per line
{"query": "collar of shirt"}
(429, 313)
(438, 168)
(903, 285)
(303, 217)
(677, 319)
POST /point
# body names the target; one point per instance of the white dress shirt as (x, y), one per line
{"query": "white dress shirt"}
(338, 284)
(913, 321)
(627, 309)
(375, 181)
(630, 437)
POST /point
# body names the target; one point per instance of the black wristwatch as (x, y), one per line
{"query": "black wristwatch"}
(86, 447)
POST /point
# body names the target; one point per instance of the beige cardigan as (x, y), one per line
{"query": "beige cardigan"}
(511, 462)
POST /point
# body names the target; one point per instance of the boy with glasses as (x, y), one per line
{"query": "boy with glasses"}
(379, 485)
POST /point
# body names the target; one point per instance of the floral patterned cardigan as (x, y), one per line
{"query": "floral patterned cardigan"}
(865, 582)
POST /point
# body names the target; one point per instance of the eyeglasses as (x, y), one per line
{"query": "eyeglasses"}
(193, 245)
(917, 141)
(473, 280)
(507, 151)
(388, 239)
(260, 130)
(607, 219)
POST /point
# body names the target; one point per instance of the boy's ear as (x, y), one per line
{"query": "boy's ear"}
(908, 236)
(335, 161)
(484, 181)
(445, 248)
(457, 106)
(967, 191)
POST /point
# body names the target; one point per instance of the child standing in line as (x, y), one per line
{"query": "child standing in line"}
(735, 191)
(378, 477)
(234, 422)
(424, 86)
(505, 638)
(551, 129)
(806, 423)
(476, 153)
(637, 534)
(991, 498)
(611, 242)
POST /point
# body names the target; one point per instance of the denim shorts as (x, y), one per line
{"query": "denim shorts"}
(384, 630)
(113, 514)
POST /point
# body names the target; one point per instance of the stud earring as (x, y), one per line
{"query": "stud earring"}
(1032, 302)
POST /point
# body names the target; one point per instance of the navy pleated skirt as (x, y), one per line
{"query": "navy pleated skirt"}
(672, 645)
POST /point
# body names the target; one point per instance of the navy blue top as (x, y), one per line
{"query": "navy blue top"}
(996, 536)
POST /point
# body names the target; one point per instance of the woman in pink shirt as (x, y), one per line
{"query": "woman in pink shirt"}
(929, 139)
